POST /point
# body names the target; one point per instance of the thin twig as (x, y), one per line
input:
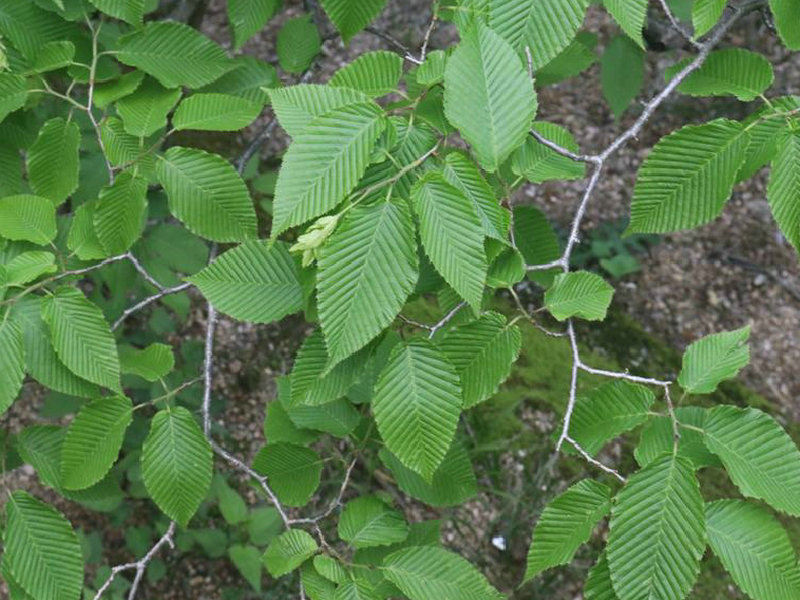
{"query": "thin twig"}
(147, 301)
(446, 319)
(677, 26)
(588, 457)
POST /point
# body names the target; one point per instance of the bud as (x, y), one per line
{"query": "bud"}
(314, 238)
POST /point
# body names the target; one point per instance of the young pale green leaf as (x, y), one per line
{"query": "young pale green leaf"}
(288, 551)
(658, 437)
(93, 441)
(173, 53)
(41, 360)
(657, 532)
(706, 14)
(330, 568)
(351, 16)
(207, 194)
(759, 456)
(367, 270)
(579, 294)
(324, 163)
(247, 17)
(546, 27)
(123, 149)
(41, 551)
(374, 73)
(247, 560)
(453, 482)
(598, 584)
(787, 14)
(417, 404)
(488, 96)
(215, 112)
(566, 524)
(462, 174)
(150, 363)
(482, 352)
(765, 131)
(297, 106)
(537, 163)
(729, 72)
(432, 573)
(754, 549)
(452, 235)
(292, 471)
(630, 15)
(12, 93)
(713, 359)
(12, 363)
(145, 111)
(27, 218)
(130, 11)
(431, 71)
(256, 282)
(298, 44)
(106, 93)
(248, 78)
(572, 61)
(81, 337)
(177, 464)
(783, 191)
(609, 411)
(367, 522)
(621, 74)
(57, 144)
(119, 213)
(688, 177)
(53, 56)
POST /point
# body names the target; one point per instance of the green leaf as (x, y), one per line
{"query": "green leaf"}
(367, 270)
(292, 471)
(658, 438)
(27, 218)
(338, 418)
(12, 93)
(783, 191)
(764, 133)
(12, 363)
(298, 44)
(57, 144)
(42, 551)
(598, 584)
(150, 363)
(431, 71)
(176, 464)
(579, 294)
(93, 441)
(706, 14)
(264, 524)
(730, 72)
(247, 17)
(537, 163)
(609, 411)
(688, 177)
(536, 241)
(657, 532)
(417, 404)
(106, 93)
(247, 560)
(30, 265)
(119, 213)
(572, 61)
(621, 73)
(81, 336)
(28, 27)
(787, 14)
(279, 427)
(53, 56)
(546, 27)
(297, 106)
(566, 524)
(215, 112)
(248, 78)
(288, 551)
(374, 73)
(453, 482)
(357, 589)
(256, 282)
(452, 235)
(351, 16)
(713, 359)
(754, 549)
(231, 504)
(432, 573)
(315, 585)
(630, 15)
(759, 456)
(488, 96)
(123, 149)
(483, 353)
(130, 11)
(82, 239)
(367, 522)
(330, 568)
(462, 174)
(324, 163)
(145, 111)
(173, 53)
(207, 194)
